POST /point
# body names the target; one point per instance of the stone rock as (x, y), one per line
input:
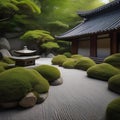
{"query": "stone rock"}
(57, 82)
(42, 98)
(28, 101)
(4, 44)
(5, 53)
(8, 105)
(50, 55)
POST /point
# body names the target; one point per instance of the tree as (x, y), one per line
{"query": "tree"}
(58, 16)
(38, 37)
(15, 13)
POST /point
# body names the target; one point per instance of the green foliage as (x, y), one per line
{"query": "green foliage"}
(58, 24)
(31, 6)
(76, 56)
(67, 54)
(40, 35)
(59, 60)
(84, 63)
(50, 45)
(114, 83)
(102, 71)
(8, 60)
(58, 12)
(2, 69)
(113, 110)
(50, 73)
(3, 64)
(69, 63)
(12, 11)
(15, 83)
(113, 60)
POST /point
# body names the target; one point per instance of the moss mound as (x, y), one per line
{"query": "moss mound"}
(15, 83)
(76, 56)
(48, 72)
(67, 54)
(84, 63)
(2, 69)
(3, 64)
(69, 63)
(114, 83)
(8, 60)
(59, 59)
(113, 60)
(102, 71)
(113, 110)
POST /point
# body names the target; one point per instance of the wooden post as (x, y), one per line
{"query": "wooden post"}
(75, 44)
(93, 46)
(113, 43)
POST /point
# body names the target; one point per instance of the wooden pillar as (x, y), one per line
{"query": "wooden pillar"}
(75, 44)
(113, 43)
(93, 46)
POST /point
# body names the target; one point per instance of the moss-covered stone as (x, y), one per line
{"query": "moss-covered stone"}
(15, 83)
(69, 63)
(113, 110)
(50, 73)
(84, 63)
(59, 59)
(114, 83)
(113, 60)
(3, 64)
(102, 71)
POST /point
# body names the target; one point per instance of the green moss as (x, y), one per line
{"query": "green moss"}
(76, 56)
(67, 54)
(15, 83)
(102, 71)
(69, 63)
(8, 60)
(59, 59)
(114, 83)
(84, 63)
(113, 60)
(3, 64)
(48, 72)
(38, 82)
(113, 110)
(2, 69)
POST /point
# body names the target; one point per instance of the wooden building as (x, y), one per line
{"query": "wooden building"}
(98, 36)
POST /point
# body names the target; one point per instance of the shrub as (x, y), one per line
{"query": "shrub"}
(59, 59)
(50, 73)
(102, 71)
(113, 110)
(114, 83)
(69, 63)
(113, 60)
(84, 63)
(15, 83)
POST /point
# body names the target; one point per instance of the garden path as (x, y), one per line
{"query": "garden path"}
(78, 98)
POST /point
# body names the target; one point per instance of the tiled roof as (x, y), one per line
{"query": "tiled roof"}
(114, 3)
(100, 23)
